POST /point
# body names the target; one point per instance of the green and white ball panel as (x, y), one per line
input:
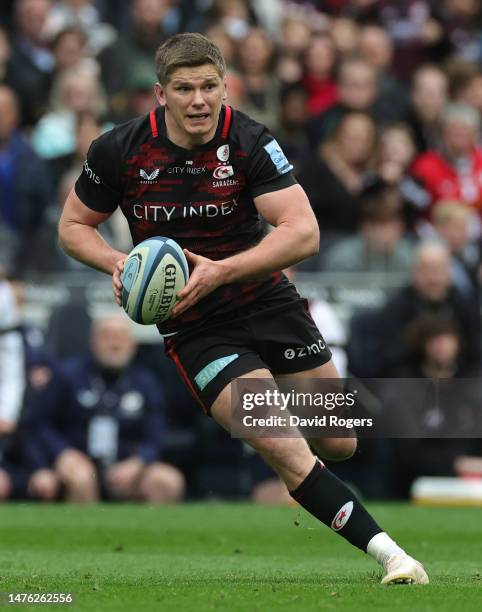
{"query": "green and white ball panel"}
(154, 272)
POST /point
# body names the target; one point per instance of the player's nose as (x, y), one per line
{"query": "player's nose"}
(198, 99)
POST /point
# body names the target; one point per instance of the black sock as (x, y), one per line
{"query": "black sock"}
(327, 498)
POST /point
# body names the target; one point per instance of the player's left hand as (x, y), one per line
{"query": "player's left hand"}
(206, 276)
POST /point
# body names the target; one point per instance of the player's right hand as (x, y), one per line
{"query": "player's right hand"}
(116, 281)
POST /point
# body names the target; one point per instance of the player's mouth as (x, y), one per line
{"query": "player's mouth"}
(198, 116)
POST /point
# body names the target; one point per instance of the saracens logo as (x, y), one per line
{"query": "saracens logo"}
(342, 516)
(223, 172)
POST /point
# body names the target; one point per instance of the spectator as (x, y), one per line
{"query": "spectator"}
(293, 41)
(455, 169)
(357, 92)
(135, 49)
(4, 54)
(31, 62)
(465, 83)
(234, 16)
(12, 365)
(379, 245)
(452, 221)
(138, 97)
(70, 51)
(220, 37)
(291, 133)
(75, 91)
(24, 469)
(376, 48)
(318, 80)
(434, 348)
(396, 152)
(430, 292)
(346, 34)
(83, 15)
(24, 185)
(415, 29)
(341, 167)
(429, 96)
(261, 86)
(462, 22)
(103, 424)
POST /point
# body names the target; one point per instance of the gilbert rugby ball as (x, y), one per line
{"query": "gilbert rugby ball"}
(154, 272)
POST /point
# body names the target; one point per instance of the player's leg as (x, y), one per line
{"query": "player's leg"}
(290, 458)
(161, 483)
(78, 476)
(324, 495)
(332, 449)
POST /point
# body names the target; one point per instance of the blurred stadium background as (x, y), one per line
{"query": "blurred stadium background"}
(377, 104)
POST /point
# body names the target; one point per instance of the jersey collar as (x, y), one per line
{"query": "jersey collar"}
(158, 129)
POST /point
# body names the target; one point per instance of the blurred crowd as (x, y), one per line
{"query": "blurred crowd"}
(378, 105)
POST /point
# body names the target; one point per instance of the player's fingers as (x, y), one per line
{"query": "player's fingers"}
(117, 294)
(185, 291)
(183, 305)
(191, 257)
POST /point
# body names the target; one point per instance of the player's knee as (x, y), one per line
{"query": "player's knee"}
(162, 483)
(5, 485)
(334, 449)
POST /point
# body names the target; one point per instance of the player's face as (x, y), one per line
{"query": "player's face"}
(193, 99)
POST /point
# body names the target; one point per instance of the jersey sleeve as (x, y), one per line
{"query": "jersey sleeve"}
(99, 185)
(268, 169)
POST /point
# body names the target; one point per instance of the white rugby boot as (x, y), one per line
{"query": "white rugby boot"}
(402, 569)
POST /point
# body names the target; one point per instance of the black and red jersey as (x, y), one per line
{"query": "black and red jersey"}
(201, 197)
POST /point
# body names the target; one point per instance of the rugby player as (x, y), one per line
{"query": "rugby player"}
(204, 174)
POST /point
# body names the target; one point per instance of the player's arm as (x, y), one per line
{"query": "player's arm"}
(80, 239)
(295, 237)
(95, 197)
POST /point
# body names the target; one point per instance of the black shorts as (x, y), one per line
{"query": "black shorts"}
(275, 332)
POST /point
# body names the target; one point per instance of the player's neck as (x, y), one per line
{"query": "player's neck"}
(183, 139)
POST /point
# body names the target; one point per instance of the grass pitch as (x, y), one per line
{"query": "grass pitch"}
(231, 557)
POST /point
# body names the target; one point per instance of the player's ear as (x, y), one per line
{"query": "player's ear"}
(225, 89)
(160, 96)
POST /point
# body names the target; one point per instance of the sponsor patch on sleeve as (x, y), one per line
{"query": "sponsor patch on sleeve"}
(278, 157)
